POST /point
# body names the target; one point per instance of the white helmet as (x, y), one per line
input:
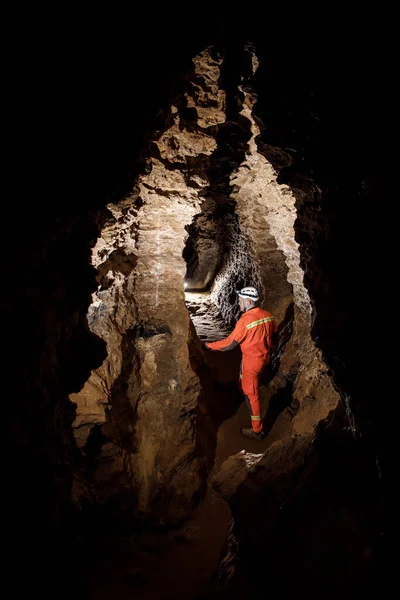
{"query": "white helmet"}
(249, 292)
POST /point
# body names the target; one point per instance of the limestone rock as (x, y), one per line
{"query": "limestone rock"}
(137, 415)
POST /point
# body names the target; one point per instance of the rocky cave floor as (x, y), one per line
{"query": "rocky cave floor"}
(181, 564)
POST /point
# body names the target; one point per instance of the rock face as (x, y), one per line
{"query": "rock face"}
(209, 212)
(267, 214)
(296, 508)
(137, 416)
(252, 175)
(141, 404)
(279, 499)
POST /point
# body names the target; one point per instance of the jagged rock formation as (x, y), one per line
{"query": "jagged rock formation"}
(142, 402)
(246, 178)
(138, 423)
(138, 413)
(297, 508)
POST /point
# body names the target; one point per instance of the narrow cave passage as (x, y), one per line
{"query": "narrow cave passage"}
(182, 562)
(117, 436)
(227, 402)
(152, 430)
(161, 419)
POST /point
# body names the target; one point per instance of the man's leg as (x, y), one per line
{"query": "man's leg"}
(249, 385)
(250, 375)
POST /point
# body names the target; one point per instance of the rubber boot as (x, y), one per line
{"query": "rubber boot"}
(250, 433)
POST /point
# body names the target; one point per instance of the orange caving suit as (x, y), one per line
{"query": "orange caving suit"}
(253, 332)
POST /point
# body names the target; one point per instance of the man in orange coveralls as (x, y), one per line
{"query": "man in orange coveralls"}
(253, 332)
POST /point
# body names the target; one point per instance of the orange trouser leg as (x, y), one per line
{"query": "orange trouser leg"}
(251, 369)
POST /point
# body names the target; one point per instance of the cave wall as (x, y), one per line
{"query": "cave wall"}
(75, 132)
(303, 518)
(82, 91)
(132, 308)
(316, 110)
(138, 422)
(261, 245)
(301, 136)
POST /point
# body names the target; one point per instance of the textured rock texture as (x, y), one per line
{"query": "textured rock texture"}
(293, 505)
(297, 124)
(267, 214)
(208, 196)
(137, 416)
(297, 506)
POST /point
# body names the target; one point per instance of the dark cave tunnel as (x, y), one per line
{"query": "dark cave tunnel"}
(79, 526)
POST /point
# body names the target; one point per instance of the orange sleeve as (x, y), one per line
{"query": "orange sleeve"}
(237, 335)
